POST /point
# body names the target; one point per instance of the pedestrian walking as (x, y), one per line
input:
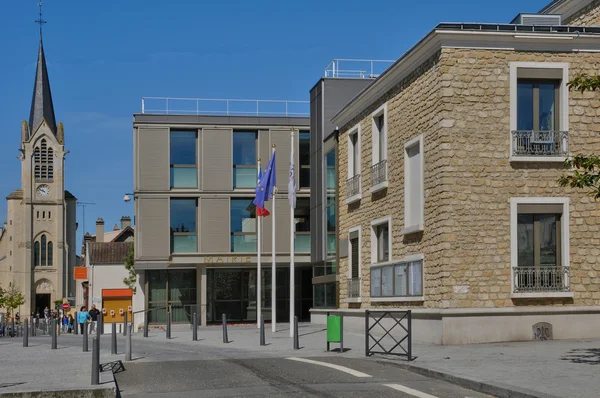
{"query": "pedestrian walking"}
(71, 321)
(94, 317)
(82, 318)
(65, 323)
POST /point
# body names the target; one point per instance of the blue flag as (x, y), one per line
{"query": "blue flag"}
(266, 185)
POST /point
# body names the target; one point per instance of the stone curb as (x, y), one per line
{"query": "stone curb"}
(109, 392)
(499, 390)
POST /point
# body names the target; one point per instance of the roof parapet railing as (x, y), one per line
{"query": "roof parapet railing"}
(228, 107)
(357, 68)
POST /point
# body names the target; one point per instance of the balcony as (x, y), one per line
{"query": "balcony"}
(541, 280)
(353, 189)
(531, 145)
(379, 176)
(354, 288)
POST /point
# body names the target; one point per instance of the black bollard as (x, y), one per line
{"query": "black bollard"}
(113, 341)
(125, 324)
(195, 327)
(54, 338)
(25, 333)
(128, 344)
(95, 361)
(262, 330)
(76, 323)
(225, 337)
(145, 324)
(85, 337)
(296, 337)
(99, 327)
(168, 325)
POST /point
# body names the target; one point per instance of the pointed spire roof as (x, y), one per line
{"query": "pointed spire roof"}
(41, 103)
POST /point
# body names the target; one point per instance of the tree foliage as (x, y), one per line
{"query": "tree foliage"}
(129, 262)
(584, 169)
(583, 82)
(13, 297)
(2, 297)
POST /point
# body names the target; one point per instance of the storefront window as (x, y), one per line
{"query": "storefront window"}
(174, 288)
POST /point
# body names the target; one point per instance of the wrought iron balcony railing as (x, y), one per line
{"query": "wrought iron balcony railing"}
(541, 279)
(353, 186)
(354, 288)
(540, 143)
(379, 173)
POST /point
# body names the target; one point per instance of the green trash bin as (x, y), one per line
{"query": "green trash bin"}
(335, 331)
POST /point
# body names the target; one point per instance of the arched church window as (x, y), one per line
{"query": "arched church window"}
(36, 254)
(44, 247)
(49, 254)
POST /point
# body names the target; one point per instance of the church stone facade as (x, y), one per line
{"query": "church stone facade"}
(37, 242)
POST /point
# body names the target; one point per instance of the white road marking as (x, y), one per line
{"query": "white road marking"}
(332, 366)
(410, 391)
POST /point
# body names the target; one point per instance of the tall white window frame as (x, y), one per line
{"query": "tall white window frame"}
(353, 192)
(539, 70)
(387, 220)
(352, 232)
(414, 187)
(565, 239)
(379, 151)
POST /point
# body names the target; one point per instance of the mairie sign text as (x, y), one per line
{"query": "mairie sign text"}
(227, 260)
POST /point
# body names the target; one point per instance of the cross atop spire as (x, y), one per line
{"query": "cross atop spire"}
(41, 20)
(42, 108)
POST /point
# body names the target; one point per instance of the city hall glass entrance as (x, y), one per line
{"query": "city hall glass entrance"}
(233, 292)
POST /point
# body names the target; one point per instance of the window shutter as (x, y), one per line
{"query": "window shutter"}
(354, 257)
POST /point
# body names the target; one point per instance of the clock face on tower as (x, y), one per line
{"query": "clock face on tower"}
(43, 190)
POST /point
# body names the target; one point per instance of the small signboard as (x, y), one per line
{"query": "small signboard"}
(66, 306)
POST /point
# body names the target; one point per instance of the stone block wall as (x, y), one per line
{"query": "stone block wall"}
(414, 106)
(460, 101)
(587, 16)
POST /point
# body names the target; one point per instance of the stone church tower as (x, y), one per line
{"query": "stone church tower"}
(37, 243)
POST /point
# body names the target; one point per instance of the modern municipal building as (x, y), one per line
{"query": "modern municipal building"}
(195, 180)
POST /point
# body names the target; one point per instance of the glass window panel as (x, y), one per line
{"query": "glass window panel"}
(416, 279)
(243, 243)
(548, 252)
(243, 219)
(302, 215)
(382, 243)
(184, 177)
(319, 299)
(387, 281)
(185, 244)
(227, 285)
(157, 286)
(547, 116)
(330, 296)
(44, 247)
(331, 176)
(244, 177)
(304, 158)
(331, 245)
(524, 106)
(331, 218)
(50, 254)
(525, 240)
(182, 285)
(400, 280)
(183, 147)
(244, 148)
(302, 243)
(375, 282)
(183, 215)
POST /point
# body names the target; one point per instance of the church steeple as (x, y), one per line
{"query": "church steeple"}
(42, 107)
(41, 103)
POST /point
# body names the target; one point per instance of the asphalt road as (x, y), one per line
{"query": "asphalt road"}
(281, 377)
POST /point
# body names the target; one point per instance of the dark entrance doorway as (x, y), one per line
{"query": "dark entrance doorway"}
(42, 300)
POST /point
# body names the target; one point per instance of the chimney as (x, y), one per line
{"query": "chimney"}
(125, 222)
(100, 230)
(115, 227)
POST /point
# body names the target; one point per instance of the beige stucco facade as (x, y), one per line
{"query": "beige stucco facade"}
(462, 102)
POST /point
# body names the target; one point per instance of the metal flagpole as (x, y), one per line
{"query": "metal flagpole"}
(273, 277)
(292, 199)
(258, 260)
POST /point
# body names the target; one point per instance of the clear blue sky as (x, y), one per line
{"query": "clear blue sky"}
(103, 56)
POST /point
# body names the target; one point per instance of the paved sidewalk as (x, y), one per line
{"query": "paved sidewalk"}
(43, 372)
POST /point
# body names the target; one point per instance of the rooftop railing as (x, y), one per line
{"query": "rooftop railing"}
(357, 68)
(228, 107)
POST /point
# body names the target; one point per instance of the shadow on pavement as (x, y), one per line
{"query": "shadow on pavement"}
(587, 356)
